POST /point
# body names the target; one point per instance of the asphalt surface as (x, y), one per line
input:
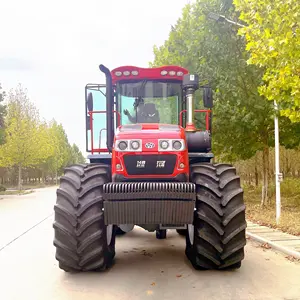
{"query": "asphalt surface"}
(145, 268)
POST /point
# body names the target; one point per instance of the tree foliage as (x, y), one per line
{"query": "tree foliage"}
(273, 41)
(31, 143)
(2, 115)
(243, 119)
(24, 143)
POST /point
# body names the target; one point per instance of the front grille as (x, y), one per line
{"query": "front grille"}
(157, 164)
(149, 190)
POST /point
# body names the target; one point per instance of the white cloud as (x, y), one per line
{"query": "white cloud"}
(54, 48)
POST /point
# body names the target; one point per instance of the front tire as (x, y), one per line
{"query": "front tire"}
(217, 237)
(83, 242)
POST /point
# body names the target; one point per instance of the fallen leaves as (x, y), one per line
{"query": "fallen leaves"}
(145, 253)
(266, 246)
(292, 258)
(149, 292)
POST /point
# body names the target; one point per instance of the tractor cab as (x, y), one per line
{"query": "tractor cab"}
(134, 95)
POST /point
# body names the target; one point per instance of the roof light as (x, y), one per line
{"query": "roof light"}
(179, 73)
(118, 73)
(135, 73)
(126, 73)
(172, 73)
(164, 72)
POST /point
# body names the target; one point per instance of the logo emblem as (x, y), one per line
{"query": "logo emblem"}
(160, 164)
(150, 145)
(140, 164)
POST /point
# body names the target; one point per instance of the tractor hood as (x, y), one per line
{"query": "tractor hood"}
(150, 131)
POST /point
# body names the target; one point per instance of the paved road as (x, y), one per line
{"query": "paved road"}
(145, 268)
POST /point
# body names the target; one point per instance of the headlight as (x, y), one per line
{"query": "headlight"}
(135, 145)
(122, 145)
(129, 145)
(164, 144)
(171, 145)
(177, 145)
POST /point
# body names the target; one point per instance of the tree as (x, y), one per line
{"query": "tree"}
(243, 119)
(2, 116)
(76, 156)
(31, 146)
(61, 149)
(273, 41)
(25, 141)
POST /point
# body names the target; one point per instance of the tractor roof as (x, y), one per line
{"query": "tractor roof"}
(135, 73)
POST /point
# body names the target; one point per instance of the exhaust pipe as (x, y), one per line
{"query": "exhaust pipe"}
(190, 85)
(109, 108)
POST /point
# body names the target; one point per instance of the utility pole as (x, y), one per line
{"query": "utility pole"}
(278, 175)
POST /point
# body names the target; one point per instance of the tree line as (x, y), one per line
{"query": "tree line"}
(234, 63)
(31, 149)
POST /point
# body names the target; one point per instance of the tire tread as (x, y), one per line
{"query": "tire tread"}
(219, 222)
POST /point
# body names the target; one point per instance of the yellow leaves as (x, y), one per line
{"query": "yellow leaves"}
(274, 45)
(267, 33)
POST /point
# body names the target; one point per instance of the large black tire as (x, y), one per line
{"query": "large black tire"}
(219, 233)
(80, 235)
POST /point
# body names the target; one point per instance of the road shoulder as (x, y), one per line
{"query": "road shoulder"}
(275, 239)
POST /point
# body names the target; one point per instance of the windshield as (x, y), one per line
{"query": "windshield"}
(149, 102)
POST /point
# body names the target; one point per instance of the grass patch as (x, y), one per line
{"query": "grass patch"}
(290, 206)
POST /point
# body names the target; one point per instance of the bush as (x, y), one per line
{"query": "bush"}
(2, 188)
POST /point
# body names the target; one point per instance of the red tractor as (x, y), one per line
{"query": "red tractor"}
(149, 167)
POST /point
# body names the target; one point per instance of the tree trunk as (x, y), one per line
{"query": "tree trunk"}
(43, 176)
(265, 175)
(20, 178)
(256, 171)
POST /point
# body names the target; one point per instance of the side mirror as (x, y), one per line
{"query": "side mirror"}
(90, 102)
(207, 97)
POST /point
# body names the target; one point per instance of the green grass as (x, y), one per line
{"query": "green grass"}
(290, 206)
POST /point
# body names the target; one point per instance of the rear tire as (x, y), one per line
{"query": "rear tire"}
(83, 242)
(217, 237)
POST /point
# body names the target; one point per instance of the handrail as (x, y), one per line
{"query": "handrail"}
(206, 111)
(91, 113)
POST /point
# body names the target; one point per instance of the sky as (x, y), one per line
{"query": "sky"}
(54, 48)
